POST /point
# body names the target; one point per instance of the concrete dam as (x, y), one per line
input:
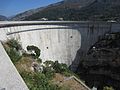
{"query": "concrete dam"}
(65, 41)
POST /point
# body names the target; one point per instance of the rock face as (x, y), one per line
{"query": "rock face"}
(103, 58)
(107, 50)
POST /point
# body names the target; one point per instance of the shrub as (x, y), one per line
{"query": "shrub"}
(35, 49)
(14, 44)
(59, 67)
(48, 72)
(38, 81)
(12, 48)
(48, 63)
(14, 55)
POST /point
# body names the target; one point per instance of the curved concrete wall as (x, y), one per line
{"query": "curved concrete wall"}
(67, 42)
(55, 41)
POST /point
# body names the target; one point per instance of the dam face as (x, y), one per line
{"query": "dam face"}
(67, 42)
(55, 44)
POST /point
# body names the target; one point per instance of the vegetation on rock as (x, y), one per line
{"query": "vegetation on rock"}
(38, 75)
(12, 47)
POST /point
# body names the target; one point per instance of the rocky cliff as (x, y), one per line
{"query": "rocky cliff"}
(103, 58)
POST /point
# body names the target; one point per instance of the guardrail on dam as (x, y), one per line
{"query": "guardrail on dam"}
(65, 41)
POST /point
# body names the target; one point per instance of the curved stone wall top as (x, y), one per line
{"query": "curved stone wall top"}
(23, 23)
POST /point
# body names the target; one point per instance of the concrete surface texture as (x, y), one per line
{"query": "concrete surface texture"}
(65, 41)
(56, 42)
(9, 76)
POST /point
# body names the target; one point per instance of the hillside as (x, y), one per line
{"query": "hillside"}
(75, 10)
(3, 18)
(25, 14)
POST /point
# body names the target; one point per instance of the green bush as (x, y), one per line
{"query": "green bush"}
(48, 72)
(35, 49)
(39, 60)
(38, 81)
(57, 67)
(60, 67)
(41, 81)
(48, 63)
(14, 44)
(14, 55)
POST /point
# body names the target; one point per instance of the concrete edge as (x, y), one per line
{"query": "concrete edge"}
(14, 68)
(80, 82)
(23, 23)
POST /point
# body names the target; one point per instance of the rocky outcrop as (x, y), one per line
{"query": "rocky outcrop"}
(106, 51)
(103, 58)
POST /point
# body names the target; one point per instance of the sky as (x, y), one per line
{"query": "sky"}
(13, 7)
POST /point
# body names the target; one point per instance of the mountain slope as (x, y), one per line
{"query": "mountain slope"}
(25, 14)
(76, 10)
(3, 18)
(61, 6)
